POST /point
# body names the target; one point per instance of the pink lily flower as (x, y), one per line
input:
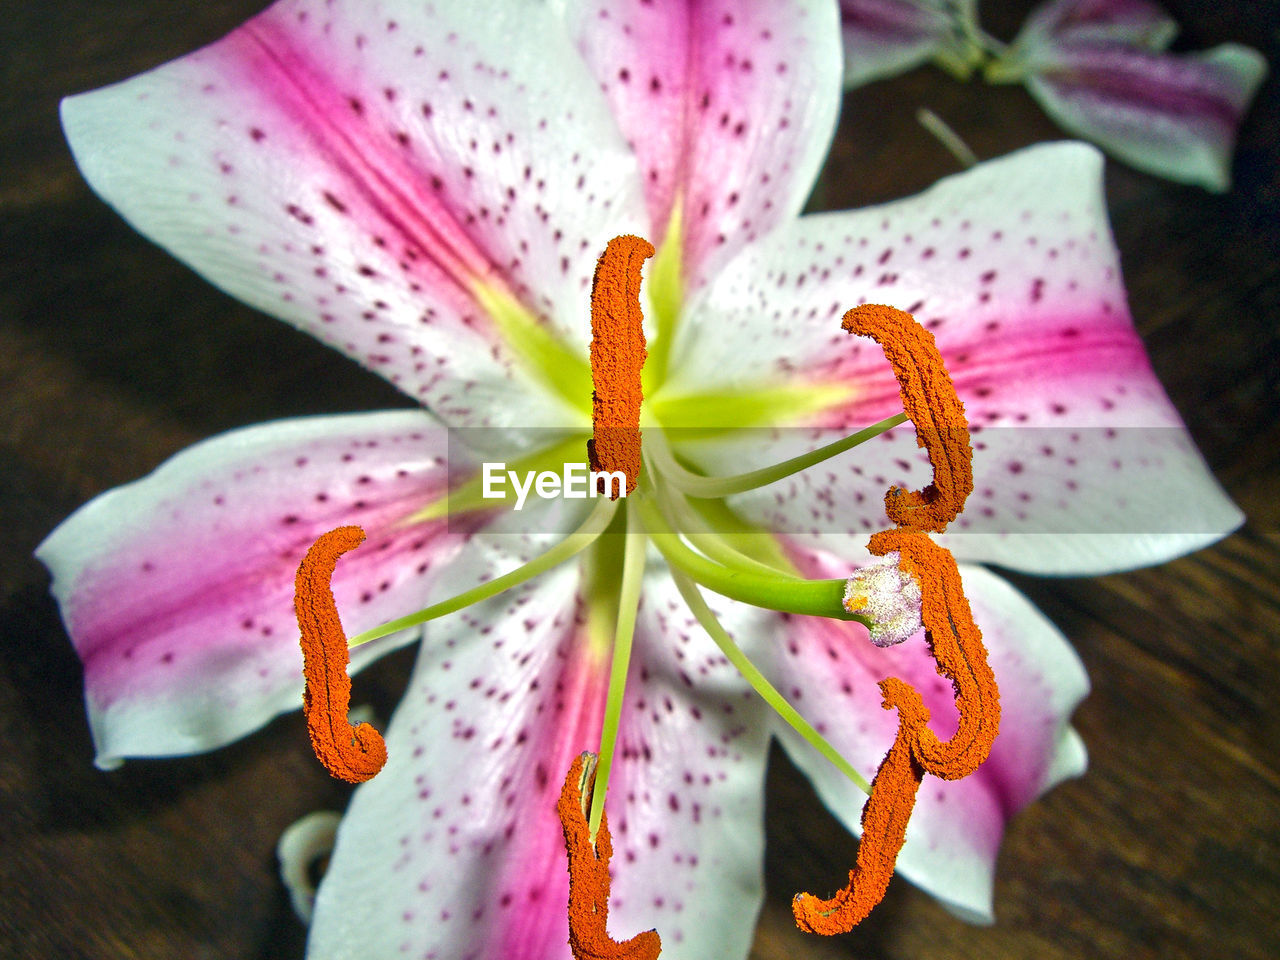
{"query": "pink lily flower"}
(427, 189)
(1099, 68)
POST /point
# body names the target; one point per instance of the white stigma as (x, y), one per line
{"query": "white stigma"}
(890, 596)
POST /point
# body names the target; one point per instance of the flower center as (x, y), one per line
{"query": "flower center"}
(683, 514)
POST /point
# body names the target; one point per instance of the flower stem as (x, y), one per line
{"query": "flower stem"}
(1004, 69)
(595, 524)
(628, 603)
(733, 653)
(696, 485)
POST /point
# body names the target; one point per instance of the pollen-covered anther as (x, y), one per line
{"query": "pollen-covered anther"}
(589, 875)
(351, 753)
(618, 353)
(890, 596)
(936, 411)
(956, 644)
(916, 584)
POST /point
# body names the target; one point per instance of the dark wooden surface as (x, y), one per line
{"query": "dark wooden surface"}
(113, 357)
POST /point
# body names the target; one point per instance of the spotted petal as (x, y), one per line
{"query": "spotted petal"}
(454, 850)
(390, 177)
(692, 853)
(730, 109)
(177, 589)
(1081, 464)
(954, 835)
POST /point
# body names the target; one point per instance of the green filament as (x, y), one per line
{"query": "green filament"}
(595, 524)
(697, 531)
(696, 485)
(767, 692)
(624, 631)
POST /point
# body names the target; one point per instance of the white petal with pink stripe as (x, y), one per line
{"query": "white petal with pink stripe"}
(177, 589)
(729, 107)
(358, 173)
(1011, 265)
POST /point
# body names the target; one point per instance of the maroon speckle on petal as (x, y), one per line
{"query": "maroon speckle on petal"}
(299, 214)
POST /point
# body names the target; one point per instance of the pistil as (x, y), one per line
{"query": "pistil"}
(821, 598)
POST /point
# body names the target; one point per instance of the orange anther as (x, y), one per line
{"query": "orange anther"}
(884, 828)
(589, 876)
(954, 639)
(354, 754)
(617, 357)
(930, 400)
(956, 644)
